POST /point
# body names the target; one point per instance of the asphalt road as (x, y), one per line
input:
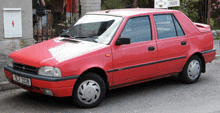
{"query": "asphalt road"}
(167, 95)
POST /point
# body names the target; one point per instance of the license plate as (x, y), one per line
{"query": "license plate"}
(22, 80)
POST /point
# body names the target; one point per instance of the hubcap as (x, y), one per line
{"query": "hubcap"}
(193, 69)
(88, 92)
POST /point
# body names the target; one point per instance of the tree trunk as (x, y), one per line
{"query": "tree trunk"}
(135, 3)
(209, 12)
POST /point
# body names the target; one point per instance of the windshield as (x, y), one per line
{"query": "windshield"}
(96, 28)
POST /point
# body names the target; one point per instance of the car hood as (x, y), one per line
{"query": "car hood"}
(54, 51)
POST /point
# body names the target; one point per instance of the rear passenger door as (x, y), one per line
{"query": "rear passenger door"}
(171, 42)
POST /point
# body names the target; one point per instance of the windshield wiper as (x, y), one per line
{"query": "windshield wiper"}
(69, 40)
(66, 36)
(80, 37)
(94, 40)
(74, 37)
(91, 36)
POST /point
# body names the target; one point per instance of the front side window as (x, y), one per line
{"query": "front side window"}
(167, 26)
(138, 29)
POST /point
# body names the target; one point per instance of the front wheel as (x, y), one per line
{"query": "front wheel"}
(89, 91)
(192, 70)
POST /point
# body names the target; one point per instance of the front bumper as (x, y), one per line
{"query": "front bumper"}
(60, 87)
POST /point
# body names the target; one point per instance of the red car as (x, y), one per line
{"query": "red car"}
(110, 49)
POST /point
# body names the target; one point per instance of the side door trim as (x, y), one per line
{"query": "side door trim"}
(150, 63)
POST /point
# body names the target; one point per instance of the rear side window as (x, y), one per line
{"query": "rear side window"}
(167, 26)
(138, 29)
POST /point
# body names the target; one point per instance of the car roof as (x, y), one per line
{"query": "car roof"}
(130, 11)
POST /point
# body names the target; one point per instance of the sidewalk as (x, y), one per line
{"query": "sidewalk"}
(217, 47)
(5, 85)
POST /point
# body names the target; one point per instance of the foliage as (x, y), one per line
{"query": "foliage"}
(215, 13)
(212, 21)
(217, 36)
(146, 3)
(113, 4)
(48, 4)
(190, 9)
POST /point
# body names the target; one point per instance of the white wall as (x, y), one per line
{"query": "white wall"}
(90, 5)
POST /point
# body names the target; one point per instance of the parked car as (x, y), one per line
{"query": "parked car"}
(110, 49)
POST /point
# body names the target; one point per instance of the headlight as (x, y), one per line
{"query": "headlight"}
(49, 71)
(10, 62)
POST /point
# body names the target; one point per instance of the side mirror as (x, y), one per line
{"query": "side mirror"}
(121, 41)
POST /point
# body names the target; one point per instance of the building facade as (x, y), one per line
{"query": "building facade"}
(15, 28)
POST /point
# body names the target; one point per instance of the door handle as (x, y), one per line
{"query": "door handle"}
(151, 48)
(183, 43)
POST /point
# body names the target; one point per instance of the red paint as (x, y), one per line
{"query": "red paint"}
(123, 56)
(75, 6)
(13, 24)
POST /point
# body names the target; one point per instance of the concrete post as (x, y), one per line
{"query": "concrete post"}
(90, 5)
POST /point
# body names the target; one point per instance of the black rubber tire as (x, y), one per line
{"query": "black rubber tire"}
(184, 76)
(86, 77)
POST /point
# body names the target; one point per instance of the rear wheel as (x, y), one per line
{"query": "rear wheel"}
(89, 91)
(192, 70)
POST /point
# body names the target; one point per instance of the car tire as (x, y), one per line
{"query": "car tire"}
(89, 91)
(191, 71)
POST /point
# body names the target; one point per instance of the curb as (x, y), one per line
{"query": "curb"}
(7, 85)
(217, 57)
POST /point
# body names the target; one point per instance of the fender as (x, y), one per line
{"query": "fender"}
(108, 77)
(195, 51)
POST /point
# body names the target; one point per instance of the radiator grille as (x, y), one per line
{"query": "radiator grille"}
(25, 68)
